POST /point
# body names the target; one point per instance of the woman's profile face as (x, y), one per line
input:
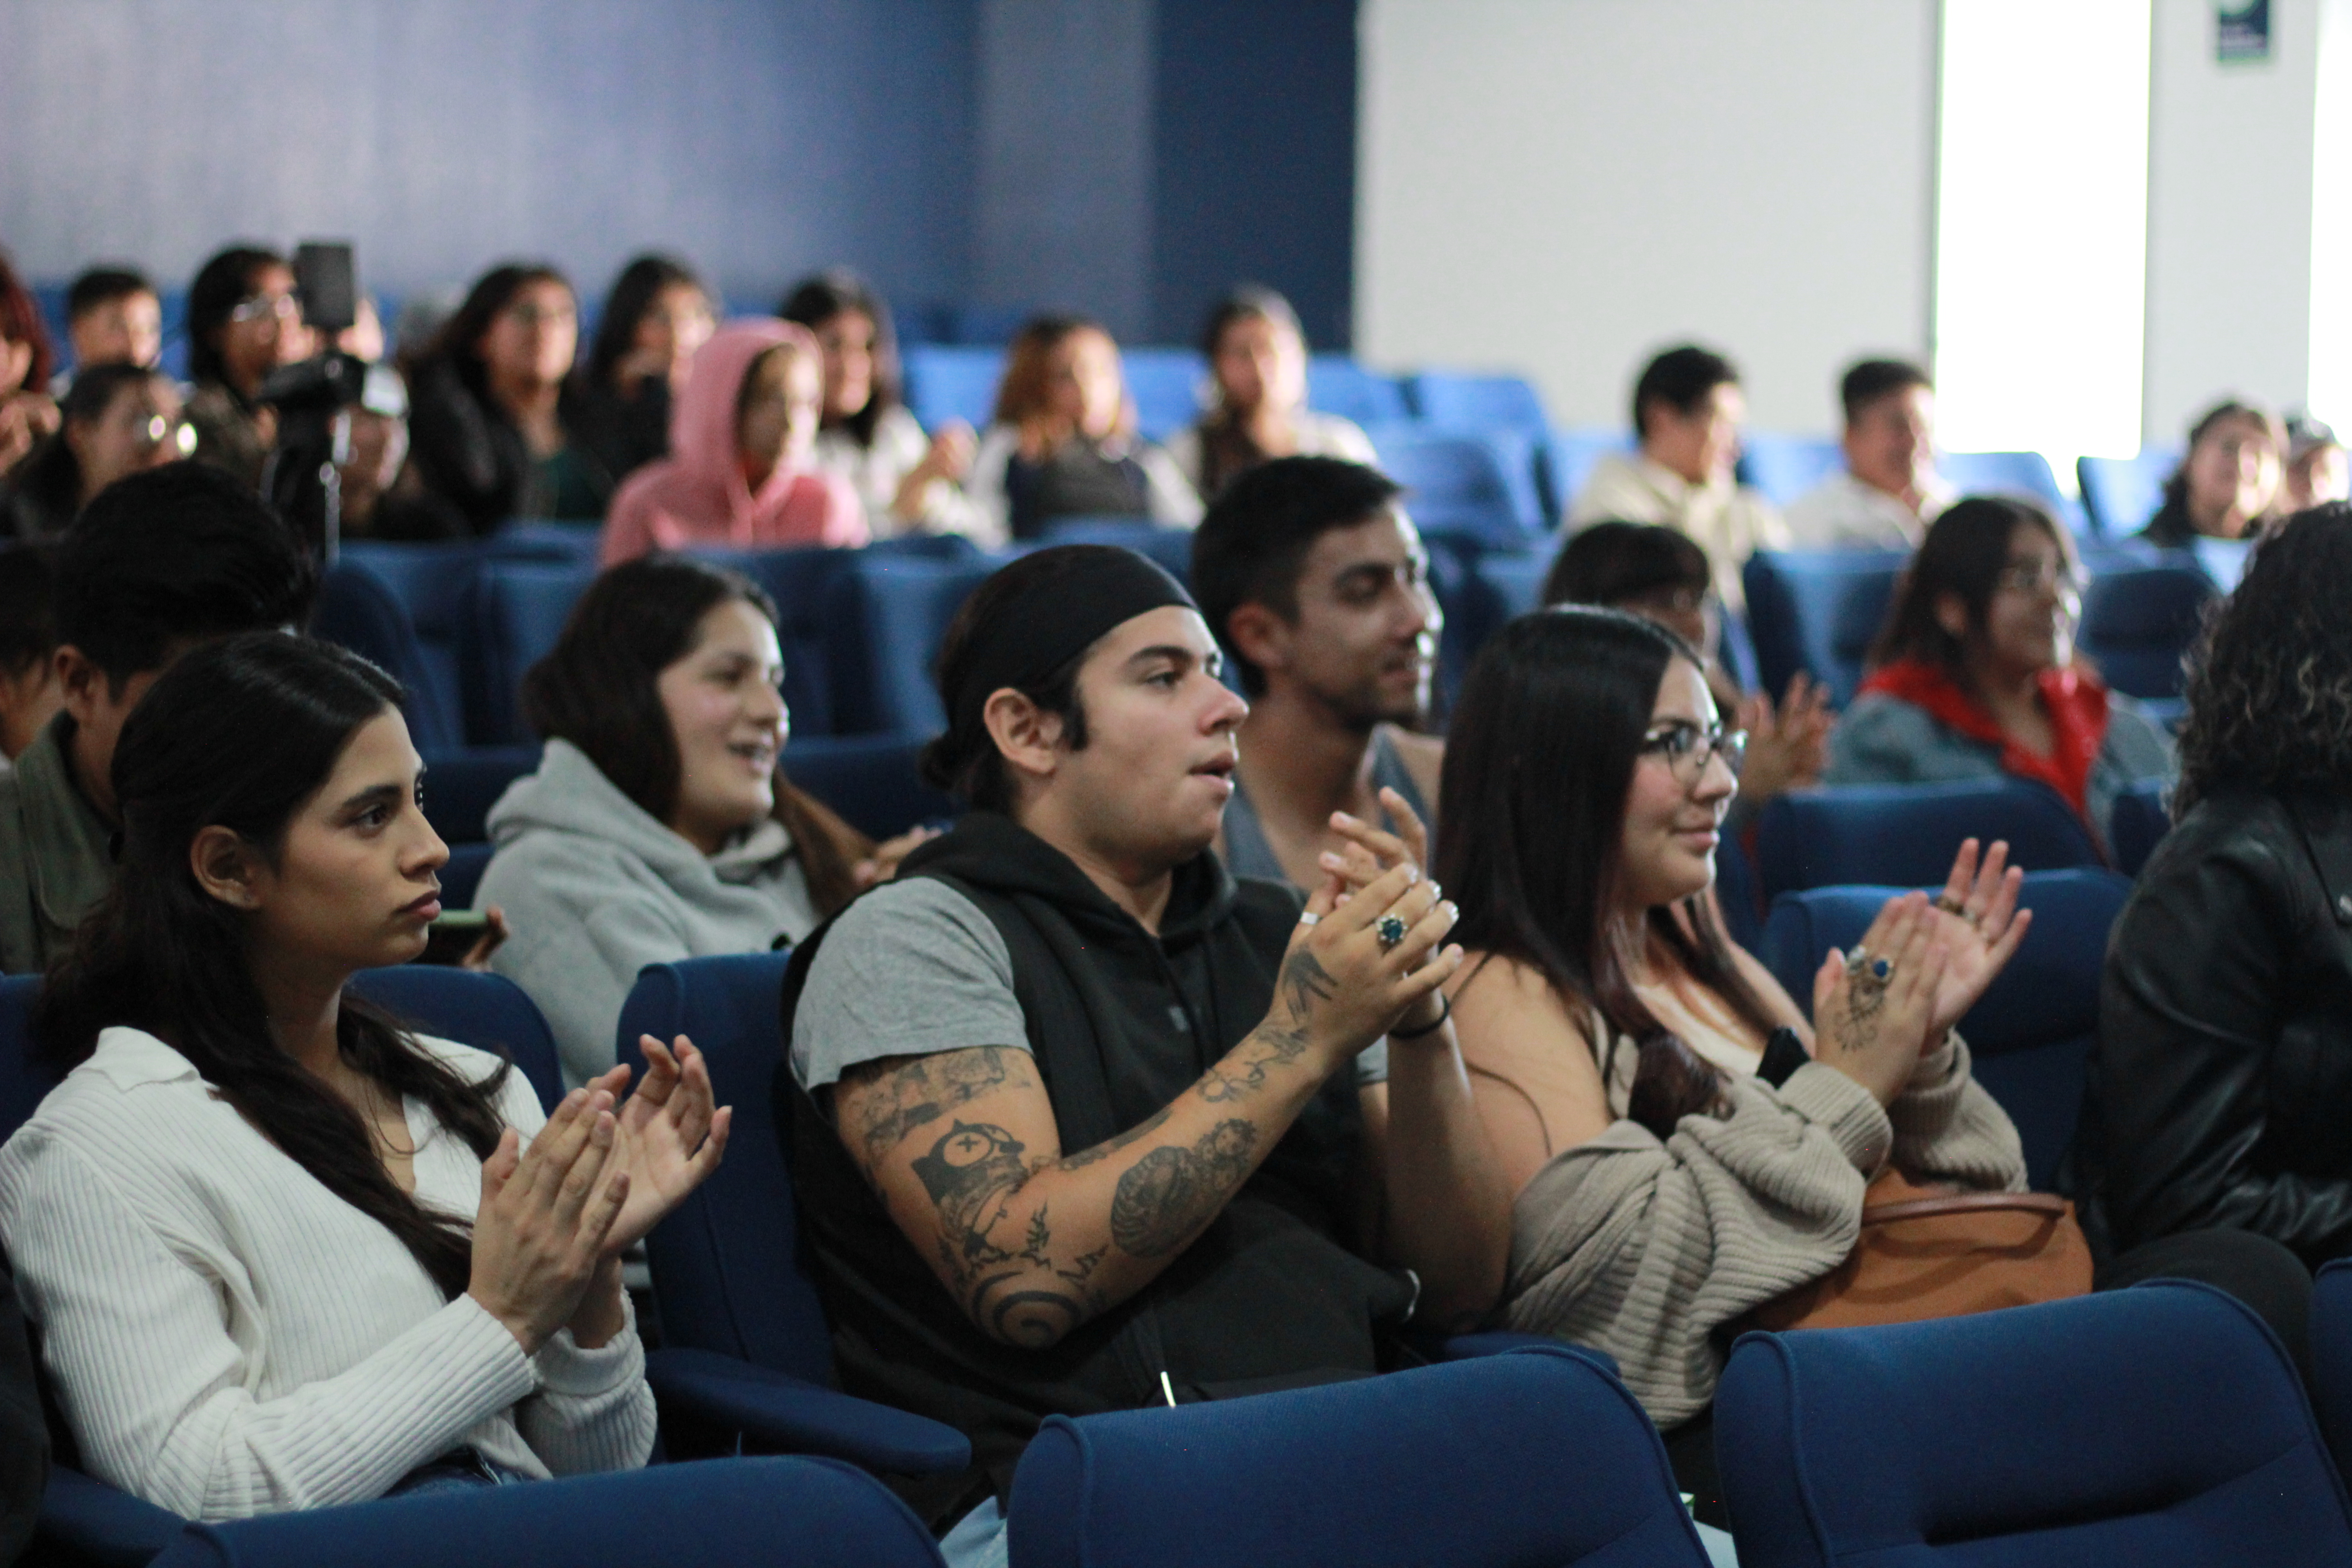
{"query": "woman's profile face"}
(2036, 601)
(1260, 364)
(140, 427)
(530, 341)
(1083, 386)
(265, 330)
(726, 708)
(848, 338)
(355, 879)
(1675, 810)
(2233, 473)
(781, 408)
(677, 323)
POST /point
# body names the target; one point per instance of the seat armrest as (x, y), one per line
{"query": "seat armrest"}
(776, 1412)
(98, 1524)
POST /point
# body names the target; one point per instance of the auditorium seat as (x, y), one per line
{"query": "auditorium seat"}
(1534, 1456)
(886, 614)
(2161, 1426)
(1167, 385)
(1785, 466)
(2331, 1358)
(2140, 618)
(2030, 1033)
(461, 878)
(1171, 547)
(489, 1012)
(946, 382)
(874, 782)
(747, 1352)
(1818, 611)
(514, 611)
(1479, 484)
(2026, 475)
(1455, 400)
(2141, 817)
(1480, 591)
(814, 1513)
(1338, 384)
(463, 784)
(379, 601)
(1906, 835)
(2123, 493)
(1565, 460)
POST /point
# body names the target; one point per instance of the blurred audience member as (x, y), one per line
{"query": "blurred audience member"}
(118, 419)
(1258, 359)
(1314, 580)
(741, 469)
(243, 322)
(1063, 441)
(1652, 572)
(27, 412)
(160, 563)
(2316, 471)
(384, 495)
(1975, 675)
(1890, 490)
(658, 826)
(113, 316)
(2227, 484)
(1687, 411)
(29, 694)
(655, 315)
(910, 483)
(494, 409)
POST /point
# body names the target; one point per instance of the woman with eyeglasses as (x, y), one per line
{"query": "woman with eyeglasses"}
(1683, 1145)
(493, 406)
(117, 419)
(243, 322)
(1975, 675)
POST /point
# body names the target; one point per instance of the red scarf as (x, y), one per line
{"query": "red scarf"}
(2075, 701)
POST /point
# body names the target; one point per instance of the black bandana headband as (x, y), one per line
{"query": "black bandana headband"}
(1058, 618)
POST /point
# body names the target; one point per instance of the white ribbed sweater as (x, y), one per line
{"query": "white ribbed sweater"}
(228, 1338)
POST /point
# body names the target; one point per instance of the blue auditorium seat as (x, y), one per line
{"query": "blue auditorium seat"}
(1456, 400)
(1737, 893)
(874, 782)
(463, 784)
(2138, 620)
(1480, 484)
(461, 878)
(1565, 459)
(947, 383)
(1785, 466)
(1533, 1456)
(886, 614)
(1906, 835)
(2021, 474)
(2331, 1357)
(988, 326)
(2141, 817)
(362, 606)
(2030, 1033)
(1166, 385)
(1480, 591)
(812, 1513)
(1818, 611)
(2161, 1426)
(747, 1349)
(1338, 384)
(489, 1012)
(514, 611)
(1171, 547)
(2122, 493)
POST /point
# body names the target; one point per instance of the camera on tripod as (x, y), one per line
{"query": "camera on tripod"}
(313, 399)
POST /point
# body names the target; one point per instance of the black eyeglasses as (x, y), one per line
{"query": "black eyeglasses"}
(1687, 749)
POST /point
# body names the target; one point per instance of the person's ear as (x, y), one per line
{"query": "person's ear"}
(85, 685)
(225, 867)
(1026, 736)
(1952, 614)
(1260, 635)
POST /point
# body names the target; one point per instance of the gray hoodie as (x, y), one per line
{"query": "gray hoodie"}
(594, 889)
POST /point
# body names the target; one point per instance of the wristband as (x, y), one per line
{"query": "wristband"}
(1444, 1012)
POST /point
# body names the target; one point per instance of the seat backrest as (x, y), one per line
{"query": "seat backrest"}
(1171, 548)
(1818, 611)
(727, 1263)
(2161, 1426)
(515, 613)
(461, 878)
(798, 581)
(946, 382)
(1481, 483)
(2331, 1357)
(874, 782)
(1785, 466)
(713, 1513)
(1338, 384)
(1567, 462)
(2141, 817)
(2023, 474)
(1535, 1456)
(463, 783)
(1167, 385)
(888, 614)
(489, 1012)
(2138, 621)
(23, 1080)
(2030, 1033)
(430, 581)
(1462, 402)
(1906, 835)
(358, 610)
(2123, 493)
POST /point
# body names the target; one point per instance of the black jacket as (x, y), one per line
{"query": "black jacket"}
(472, 456)
(2221, 1085)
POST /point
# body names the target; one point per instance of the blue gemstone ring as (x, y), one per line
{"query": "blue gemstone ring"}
(1390, 930)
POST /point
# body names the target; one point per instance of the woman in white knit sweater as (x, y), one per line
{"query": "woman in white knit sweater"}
(1683, 1145)
(281, 1253)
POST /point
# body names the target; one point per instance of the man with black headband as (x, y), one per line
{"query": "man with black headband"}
(1080, 1123)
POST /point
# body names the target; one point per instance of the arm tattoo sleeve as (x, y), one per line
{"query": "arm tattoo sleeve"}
(1172, 1193)
(894, 1101)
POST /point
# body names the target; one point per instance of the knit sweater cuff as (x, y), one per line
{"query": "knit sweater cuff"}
(566, 1368)
(501, 1372)
(1848, 1112)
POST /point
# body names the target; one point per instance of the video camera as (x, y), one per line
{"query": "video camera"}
(301, 478)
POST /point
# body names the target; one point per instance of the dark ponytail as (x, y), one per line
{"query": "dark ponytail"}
(239, 734)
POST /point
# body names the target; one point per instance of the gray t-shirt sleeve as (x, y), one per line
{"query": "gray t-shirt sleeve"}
(911, 969)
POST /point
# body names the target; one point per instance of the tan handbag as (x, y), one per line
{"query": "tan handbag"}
(1941, 1252)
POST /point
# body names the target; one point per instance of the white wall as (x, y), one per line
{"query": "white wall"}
(1567, 186)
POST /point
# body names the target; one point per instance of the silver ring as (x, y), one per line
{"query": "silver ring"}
(1308, 917)
(1390, 930)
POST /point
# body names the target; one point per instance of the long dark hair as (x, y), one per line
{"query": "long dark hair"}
(1963, 554)
(239, 734)
(2176, 488)
(2270, 685)
(459, 340)
(52, 475)
(1539, 764)
(598, 688)
(220, 286)
(633, 294)
(815, 300)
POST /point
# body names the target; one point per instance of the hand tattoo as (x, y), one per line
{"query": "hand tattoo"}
(1862, 1005)
(1303, 982)
(1172, 1193)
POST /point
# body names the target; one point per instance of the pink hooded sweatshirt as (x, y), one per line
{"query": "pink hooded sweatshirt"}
(696, 495)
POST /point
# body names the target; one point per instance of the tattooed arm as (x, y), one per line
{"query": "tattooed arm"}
(1031, 1241)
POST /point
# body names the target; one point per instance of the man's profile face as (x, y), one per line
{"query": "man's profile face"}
(1157, 766)
(1364, 640)
(1891, 444)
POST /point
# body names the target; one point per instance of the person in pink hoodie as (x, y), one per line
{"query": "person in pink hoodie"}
(738, 473)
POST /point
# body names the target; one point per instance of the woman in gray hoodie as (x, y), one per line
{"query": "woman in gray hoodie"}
(658, 826)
